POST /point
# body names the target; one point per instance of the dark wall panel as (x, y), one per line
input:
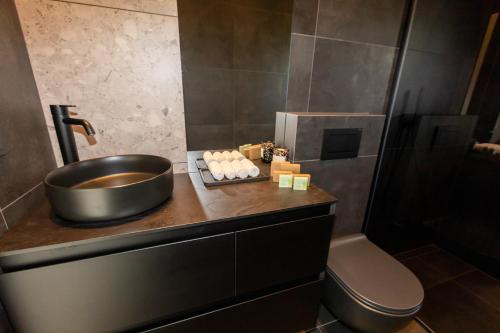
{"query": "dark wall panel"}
(25, 152)
(235, 63)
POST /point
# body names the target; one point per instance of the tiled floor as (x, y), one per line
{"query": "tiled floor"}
(458, 297)
(327, 323)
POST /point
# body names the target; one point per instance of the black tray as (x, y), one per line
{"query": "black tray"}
(209, 180)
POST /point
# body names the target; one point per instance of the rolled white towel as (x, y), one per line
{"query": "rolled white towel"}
(218, 156)
(228, 169)
(236, 155)
(240, 170)
(227, 156)
(216, 170)
(208, 157)
(253, 170)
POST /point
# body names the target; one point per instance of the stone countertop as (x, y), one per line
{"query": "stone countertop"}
(191, 204)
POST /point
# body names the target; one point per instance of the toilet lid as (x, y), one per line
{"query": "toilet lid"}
(373, 276)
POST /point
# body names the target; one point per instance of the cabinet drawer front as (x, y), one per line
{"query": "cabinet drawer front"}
(282, 253)
(290, 311)
(120, 291)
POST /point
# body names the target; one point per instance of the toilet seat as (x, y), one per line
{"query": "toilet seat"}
(373, 277)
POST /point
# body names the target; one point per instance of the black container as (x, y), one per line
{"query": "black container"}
(267, 151)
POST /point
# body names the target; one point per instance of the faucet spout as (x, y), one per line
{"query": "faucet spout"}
(81, 122)
(65, 136)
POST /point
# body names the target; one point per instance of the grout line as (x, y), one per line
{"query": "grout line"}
(450, 279)
(472, 269)
(288, 72)
(345, 40)
(423, 324)
(417, 254)
(486, 302)
(22, 195)
(475, 294)
(312, 58)
(200, 68)
(303, 35)
(334, 320)
(357, 43)
(319, 160)
(109, 7)
(320, 327)
(4, 219)
(305, 161)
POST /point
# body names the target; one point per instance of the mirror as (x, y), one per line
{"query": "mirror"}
(234, 69)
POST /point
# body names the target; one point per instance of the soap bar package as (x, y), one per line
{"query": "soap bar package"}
(304, 175)
(286, 180)
(276, 175)
(300, 183)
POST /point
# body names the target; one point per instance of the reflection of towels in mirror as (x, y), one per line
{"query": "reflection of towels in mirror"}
(492, 147)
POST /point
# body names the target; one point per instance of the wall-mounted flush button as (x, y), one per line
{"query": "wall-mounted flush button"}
(340, 143)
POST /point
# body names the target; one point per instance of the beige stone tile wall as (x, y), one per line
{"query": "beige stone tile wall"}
(121, 67)
(164, 7)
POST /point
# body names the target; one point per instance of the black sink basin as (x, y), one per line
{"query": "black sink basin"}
(109, 188)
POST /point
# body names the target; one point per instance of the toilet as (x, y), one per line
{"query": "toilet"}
(367, 289)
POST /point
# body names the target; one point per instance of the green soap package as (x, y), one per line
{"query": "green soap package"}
(300, 183)
(286, 181)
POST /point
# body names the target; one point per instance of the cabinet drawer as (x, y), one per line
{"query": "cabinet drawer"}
(121, 291)
(289, 311)
(282, 253)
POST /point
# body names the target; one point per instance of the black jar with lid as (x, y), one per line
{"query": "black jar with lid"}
(266, 151)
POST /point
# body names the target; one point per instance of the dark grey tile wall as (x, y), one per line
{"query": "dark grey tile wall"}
(365, 21)
(349, 179)
(26, 203)
(255, 94)
(342, 62)
(207, 137)
(349, 77)
(305, 13)
(204, 27)
(25, 152)
(261, 39)
(301, 64)
(245, 133)
(235, 63)
(209, 96)
(355, 45)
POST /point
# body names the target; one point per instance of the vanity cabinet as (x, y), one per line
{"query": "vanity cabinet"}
(282, 253)
(121, 291)
(290, 310)
(251, 274)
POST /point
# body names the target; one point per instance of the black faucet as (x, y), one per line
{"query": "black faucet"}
(65, 136)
